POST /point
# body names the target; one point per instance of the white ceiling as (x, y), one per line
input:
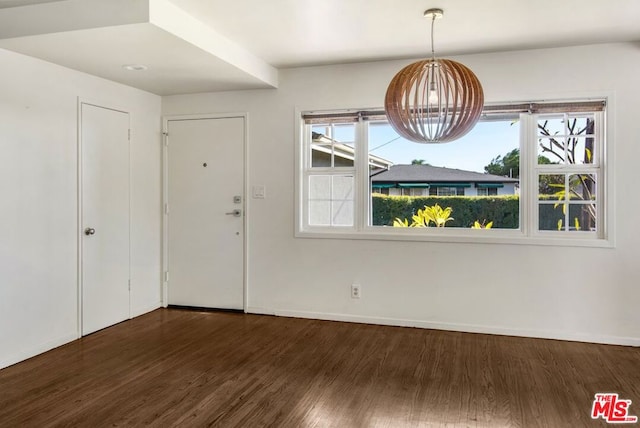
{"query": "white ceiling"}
(212, 45)
(290, 33)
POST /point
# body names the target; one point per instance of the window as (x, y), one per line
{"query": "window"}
(446, 191)
(409, 191)
(329, 175)
(445, 173)
(382, 191)
(541, 163)
(485, 191)
(568, 171)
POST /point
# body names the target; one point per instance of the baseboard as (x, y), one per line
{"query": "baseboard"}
(205, 309)
(262, 311)
(465, 328)
(36, 350)
(136, 312)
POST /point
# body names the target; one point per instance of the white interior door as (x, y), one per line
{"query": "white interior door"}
(105, 217)
(205, 243)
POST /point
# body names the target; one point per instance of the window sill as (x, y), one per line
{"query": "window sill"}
(494, 236)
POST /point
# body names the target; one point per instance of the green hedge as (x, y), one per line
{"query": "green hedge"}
(502, 210)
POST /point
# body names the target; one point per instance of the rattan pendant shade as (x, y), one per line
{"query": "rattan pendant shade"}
(434, 100)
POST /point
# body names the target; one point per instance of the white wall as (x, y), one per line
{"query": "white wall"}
(38, 184)
(590, 294)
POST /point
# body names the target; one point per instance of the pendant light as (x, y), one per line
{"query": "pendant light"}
(434, 100)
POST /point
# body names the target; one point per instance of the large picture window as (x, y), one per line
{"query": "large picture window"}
(533, 171)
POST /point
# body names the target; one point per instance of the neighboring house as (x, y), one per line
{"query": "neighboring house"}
(323, 146)
(427, 180)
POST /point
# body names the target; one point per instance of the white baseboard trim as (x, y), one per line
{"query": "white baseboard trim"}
(465, 328)
(39, 349)
(136, 312)
(262, 311)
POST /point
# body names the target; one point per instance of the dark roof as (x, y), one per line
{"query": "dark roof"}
(428, 173)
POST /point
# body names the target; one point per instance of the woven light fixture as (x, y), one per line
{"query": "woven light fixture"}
(434, 100)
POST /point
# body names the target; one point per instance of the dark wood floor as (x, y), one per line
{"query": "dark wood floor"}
(189, 368)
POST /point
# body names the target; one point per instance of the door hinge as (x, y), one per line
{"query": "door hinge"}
(166, 276)
(129, 285)
(129, 135)
(166, 208)
(166, 139)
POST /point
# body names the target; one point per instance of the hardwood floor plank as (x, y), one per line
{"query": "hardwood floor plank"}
(188, 368)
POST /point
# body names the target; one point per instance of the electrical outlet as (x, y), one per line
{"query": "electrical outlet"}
(356, 292)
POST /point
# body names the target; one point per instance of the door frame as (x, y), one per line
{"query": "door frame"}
(165, 276)
(80, 201)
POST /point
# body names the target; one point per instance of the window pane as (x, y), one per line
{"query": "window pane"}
(566, 124)
(331, 200)
(550, 217)
(551, 126)
(344, 132)
(576, 131)
(320, 187)
(343, 155)
(342, 187)
(321, 155)
(580, 124)
(448, 174)
(551, 186)
(320, 130)
(551, 151)
(582, 186)
(559, 210)
(320, 213)
(332, 145)
(342, 213)
(582, 217)
(581, 150)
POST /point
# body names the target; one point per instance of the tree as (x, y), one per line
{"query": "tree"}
(418, 162)
(507, 166)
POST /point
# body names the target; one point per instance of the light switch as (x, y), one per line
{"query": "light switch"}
(259, 192)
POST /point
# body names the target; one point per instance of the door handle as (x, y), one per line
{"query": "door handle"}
(89, 231)
(235, 213)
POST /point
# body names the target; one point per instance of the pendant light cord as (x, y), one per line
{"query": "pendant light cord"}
(433, 52)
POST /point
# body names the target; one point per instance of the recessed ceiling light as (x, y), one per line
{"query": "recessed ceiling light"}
(134, 67)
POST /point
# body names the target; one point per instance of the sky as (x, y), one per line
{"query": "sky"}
(472, 152)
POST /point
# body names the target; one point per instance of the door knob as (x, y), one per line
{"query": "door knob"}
(235, 213)
(89, 231)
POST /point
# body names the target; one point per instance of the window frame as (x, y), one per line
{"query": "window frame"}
(527, 234)
(597, 169)
(308, 171)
